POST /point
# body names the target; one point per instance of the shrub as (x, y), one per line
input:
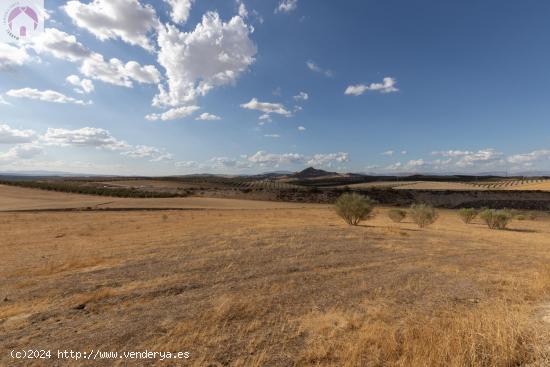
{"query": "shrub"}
(467, 214)
(496, 219)
(354, 208)
(423, 214)
(397, 215)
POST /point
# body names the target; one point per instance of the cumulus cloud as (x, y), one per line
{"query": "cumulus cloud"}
(208, 117)
(387, 86)
(451, 153)
(84, 137)
(180, 10)
(328, 159)
(9, 135)
(116, 72)
(286, 6)
(214, 54)
(11, 56)
(264, 158)
(266, 107)
(529, 157)
(83, 86)
(484, 156)
(302, 96)
(301, 128)
(46, 96)
(316, 68)
(91, 137)
(173, 114)
(21, 151)
(127, 20)
(145, 151)
(60, 45)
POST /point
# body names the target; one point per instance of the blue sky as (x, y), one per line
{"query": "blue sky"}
(253, 86)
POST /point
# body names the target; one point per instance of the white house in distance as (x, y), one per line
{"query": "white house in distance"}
(23, 22)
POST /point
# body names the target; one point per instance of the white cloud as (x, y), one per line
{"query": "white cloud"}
(243, 13)
(301, 128)
(64, 46)
(263, 158)
(388, 153)
(328, 159)
(110, 19)
(274, 136)
(214, 54)
(84, 86)
(9, 135)
(3, 101)
(302, 96)
(451, 153)
(61, 45)
(142, 151)
(11, 56)
(387, 86)
(180, 10)
(187, 164)
(208, 117)
(173, 114)
(484, 156)
(116, 72)
(21, 151)
(84, 137)
(316, 68)
(529, 157)
(286, 6)
(404, 152)
(46, 96)
(266, 107)
(164, 157)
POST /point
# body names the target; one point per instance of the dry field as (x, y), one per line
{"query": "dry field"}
(274, 287)
(543, 186)
(433, 185)
(17, 198)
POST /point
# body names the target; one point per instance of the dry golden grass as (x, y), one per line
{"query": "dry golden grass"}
(276, 287)
(16, 198)
(542, 186)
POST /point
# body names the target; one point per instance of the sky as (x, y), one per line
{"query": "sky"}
(170, 87)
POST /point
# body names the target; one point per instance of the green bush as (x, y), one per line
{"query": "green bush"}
(397, 215)
(496, 219)
(467, 214)
(423, 214)
(354, 208)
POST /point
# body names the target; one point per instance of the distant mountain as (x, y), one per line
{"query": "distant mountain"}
(47, 174)
(311, 172)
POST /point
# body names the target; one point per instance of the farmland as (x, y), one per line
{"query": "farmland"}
(252, 283)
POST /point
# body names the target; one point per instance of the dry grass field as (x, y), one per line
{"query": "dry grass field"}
(275, 287)
(17, 198)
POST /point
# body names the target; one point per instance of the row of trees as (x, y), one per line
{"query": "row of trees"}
(354, 208)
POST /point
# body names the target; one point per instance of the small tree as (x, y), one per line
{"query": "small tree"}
(354, 208)
(423, 214)
(397, 215)
(467, 214)
(496, 219)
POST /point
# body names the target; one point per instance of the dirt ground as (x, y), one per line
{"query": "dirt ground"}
(274, 287)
